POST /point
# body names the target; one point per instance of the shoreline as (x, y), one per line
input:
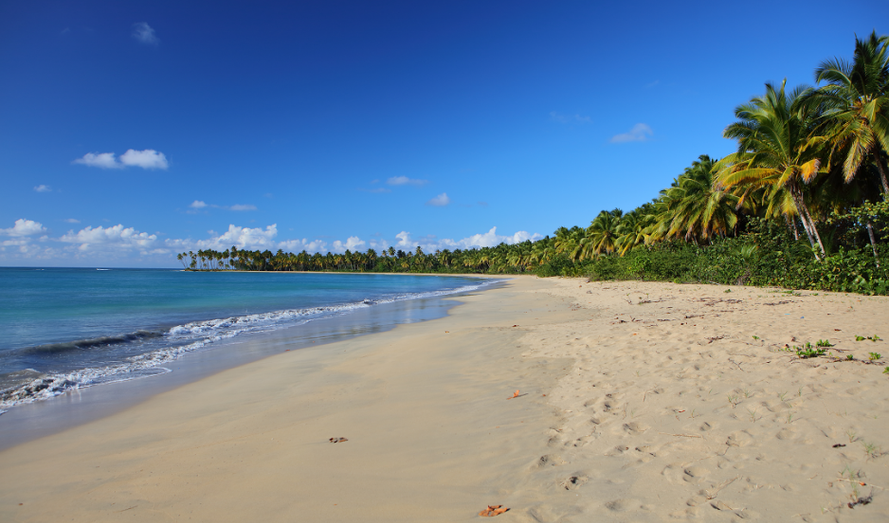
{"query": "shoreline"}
(26, 421)
(639, 402)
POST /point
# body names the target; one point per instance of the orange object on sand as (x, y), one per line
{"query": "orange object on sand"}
(514, 395)
(493, 510)
(338, 440)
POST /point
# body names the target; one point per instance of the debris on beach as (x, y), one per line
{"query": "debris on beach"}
(493, 510)
(338, 440)
(514, 395)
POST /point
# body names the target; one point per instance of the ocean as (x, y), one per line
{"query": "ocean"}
(70, 329)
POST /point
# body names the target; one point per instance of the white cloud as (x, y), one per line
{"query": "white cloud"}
(404, 180)
(147, 159)
(639, 133)
(404, 239)
(491, 238)
(488, 239)
(144, 33)
(72, 220)
(101, 160)
(240, 237)
(567, 118)
(379, 245)
(200, 204)
(43, 188)
(24, 228)
(116, 237)
(439, 201)
(352, 244)
(303, 245)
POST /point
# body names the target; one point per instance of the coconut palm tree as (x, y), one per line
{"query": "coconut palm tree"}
(701, 210)
(601, 235)
(856, 105)
(630, 231)
(775, 149)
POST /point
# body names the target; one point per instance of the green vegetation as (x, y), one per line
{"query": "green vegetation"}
(801, 204)
(809, 351)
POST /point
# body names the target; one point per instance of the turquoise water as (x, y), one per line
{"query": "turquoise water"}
(73, 328)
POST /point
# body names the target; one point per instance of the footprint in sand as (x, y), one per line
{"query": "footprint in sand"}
(635, 428)
(617, 451)
(549, 460)
(739, 439)
(786, 434)
(679, 474)
(622, 505)
(574, 481)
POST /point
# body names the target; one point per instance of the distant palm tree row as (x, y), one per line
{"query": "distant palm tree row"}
(500, 259)
(811, 159)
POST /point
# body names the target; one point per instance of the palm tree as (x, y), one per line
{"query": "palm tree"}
(701, 210)
(775, 149)
(567, 240)
(856, 105)
(601, 235)
(630, 231)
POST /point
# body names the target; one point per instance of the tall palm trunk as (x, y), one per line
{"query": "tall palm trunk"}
(808, 224)
(873, 246)
(879, 161)
(791, 224)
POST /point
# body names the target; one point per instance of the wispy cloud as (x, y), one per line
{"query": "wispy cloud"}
(143, 32)
(43, 188)
(568, 118)
(652, 84)
(147, 159)
(71, 220)
(376, 190)
(439, 201)
(639, 133)
(197, 205)
(404, 180)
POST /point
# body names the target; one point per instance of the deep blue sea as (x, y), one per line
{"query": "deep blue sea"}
(65, 329)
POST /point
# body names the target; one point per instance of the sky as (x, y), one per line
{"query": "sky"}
(133, 131)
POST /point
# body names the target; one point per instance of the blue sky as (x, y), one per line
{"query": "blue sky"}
(131, 131)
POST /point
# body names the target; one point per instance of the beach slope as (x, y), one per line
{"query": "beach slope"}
(636, 402)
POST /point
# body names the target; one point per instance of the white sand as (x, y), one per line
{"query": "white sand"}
(659, 405)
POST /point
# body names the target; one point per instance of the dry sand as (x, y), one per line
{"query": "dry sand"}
(639, 402)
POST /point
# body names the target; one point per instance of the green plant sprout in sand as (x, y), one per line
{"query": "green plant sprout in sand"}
(874, 356)
(808, 351)
(871, 338)
(871, 451)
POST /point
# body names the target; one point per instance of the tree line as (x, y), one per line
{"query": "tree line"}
(807, 183)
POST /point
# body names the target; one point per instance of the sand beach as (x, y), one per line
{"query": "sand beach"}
(636, 401)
